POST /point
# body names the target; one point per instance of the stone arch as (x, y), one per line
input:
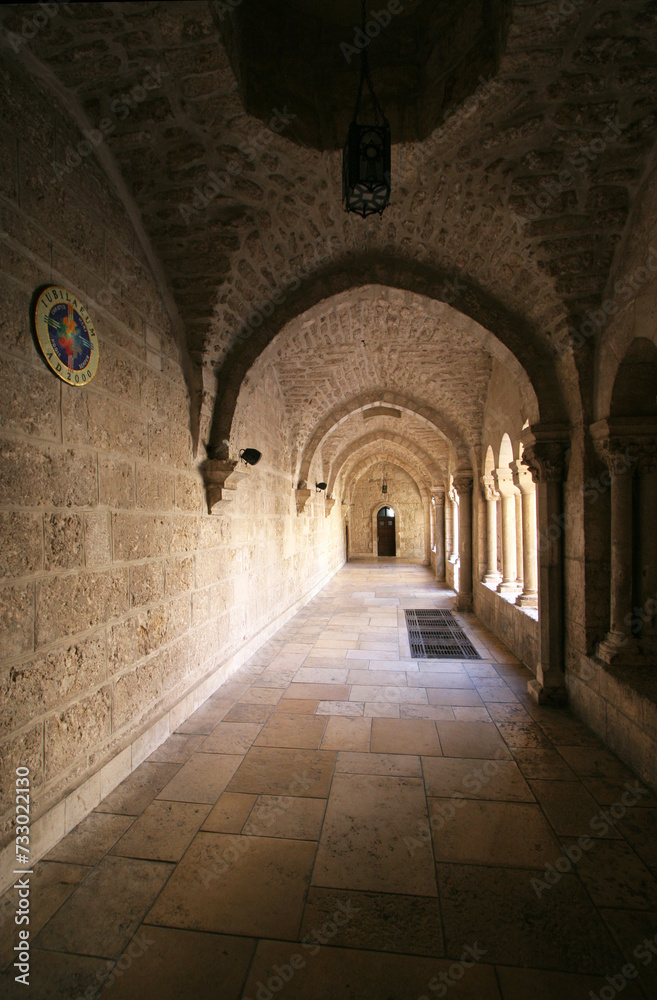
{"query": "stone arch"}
(430, 467)
(505, 452)
(635, 386)
(344, 410)
(529, 347)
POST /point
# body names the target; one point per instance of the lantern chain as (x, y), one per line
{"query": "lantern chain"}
(365, 77)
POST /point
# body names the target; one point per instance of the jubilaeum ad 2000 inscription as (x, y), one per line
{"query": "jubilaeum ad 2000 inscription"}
(66, 335)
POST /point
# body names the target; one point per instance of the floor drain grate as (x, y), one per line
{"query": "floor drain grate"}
(436, 634)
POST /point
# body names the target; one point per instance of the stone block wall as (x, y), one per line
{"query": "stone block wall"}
(119, 594)
(404, 497)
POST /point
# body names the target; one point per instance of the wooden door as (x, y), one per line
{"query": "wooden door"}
(385, 532)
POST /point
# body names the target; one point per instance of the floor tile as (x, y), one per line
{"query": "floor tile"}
(321, 692)
(138, 790)
(491, 833)
(321, 675)
(214, 889)
(414, 736)
(472, 778)
(248, 713)
(230, 813)
(288, 816)
(299, 706)
(57, 977)
(205, 718)
(347, 708)
(397, 695)
(635, 933)
(615, 876)
(571, 810)
(163, 831)
(547, 764)
(379, 763)
(91, 839)
(454, 696)
(202, 779)
(472, 739)
(382, 921)
(523, 734)
(231, 738)
(343, 974)
(347, 734)
(273, 771)
(362, 841)
(261, 696)
(99, 918)
(178, 748)
(520, 984)
(173, 964)
(295, 731)
(559, 929)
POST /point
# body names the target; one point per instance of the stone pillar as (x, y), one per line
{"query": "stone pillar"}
(620, 611)
(463, 485)
(507, 490)
(438, 500)
(523, 480)
(519, 545)
(491, 497)
(449, 529)
(647, 548)
(544, 455)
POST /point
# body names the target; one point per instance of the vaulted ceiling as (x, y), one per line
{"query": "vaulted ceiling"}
(510, 202)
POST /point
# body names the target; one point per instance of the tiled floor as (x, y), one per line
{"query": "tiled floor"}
(341, 821)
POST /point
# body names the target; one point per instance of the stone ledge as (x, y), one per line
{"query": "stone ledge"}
(49, 828)
(516, 626)
(620, 705)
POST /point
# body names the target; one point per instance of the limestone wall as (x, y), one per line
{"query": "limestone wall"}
(404, 497)
(119, 594)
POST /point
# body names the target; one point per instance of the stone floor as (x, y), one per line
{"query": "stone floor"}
(340, 821)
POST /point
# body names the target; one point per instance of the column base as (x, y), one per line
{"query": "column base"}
(555, 697)
(463, 602)
(492, 579)
(527, 600)
(509, 588)
(617, 647)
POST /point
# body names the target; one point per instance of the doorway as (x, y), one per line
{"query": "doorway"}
(385, 532)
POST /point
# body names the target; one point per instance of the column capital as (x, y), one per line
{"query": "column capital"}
(488, 488)
(625, 443)
(504, 482)
(522, 477)
(463, 482)
(438, 495)
(544, 453)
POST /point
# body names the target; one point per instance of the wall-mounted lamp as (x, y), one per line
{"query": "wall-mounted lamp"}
(321, 486)
(251, 456)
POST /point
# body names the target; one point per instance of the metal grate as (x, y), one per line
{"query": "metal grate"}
(436, 634)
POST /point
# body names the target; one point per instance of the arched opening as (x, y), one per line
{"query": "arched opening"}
(385, 532)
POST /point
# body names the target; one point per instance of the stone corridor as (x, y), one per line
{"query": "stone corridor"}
(340, 821)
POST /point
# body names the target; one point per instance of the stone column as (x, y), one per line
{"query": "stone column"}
(491, 497)
(544, 455)
(519, 546)
(523, 480)
(507, 490)
(463, 485)
(438, 498)
(449, 529)
(647, 548)
(616, 455)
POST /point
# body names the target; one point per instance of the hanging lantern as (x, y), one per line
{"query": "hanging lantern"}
(366, 155)
(384, 481)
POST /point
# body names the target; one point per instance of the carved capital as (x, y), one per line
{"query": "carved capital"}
(626, 443)
(489, 489)
(504, 483)
(438, 495)
(329, 504)
(221, 479)
(522, 477)
(463, 482)
(301, 497)
(545, 447)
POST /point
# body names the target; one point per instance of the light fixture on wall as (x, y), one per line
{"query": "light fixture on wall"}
(366, 155)
(384, 481)
(320, 486)
(251, 456)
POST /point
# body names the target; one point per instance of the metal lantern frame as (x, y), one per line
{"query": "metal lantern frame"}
(366, 155)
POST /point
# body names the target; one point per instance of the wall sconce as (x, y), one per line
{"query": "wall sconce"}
(320, 486)
(250, 456)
